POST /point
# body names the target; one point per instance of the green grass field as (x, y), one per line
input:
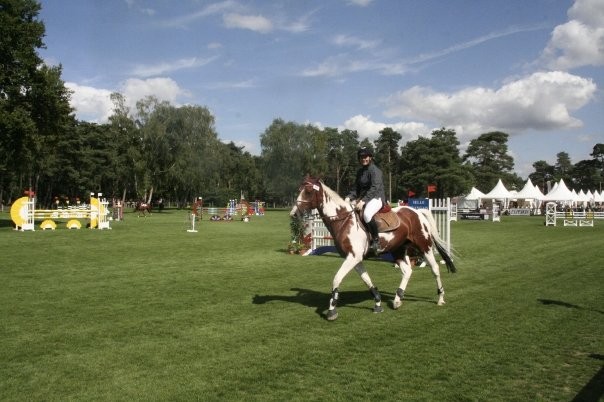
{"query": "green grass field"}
(148, 311)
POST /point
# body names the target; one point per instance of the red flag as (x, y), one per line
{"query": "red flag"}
(410, 193)
(431, 188)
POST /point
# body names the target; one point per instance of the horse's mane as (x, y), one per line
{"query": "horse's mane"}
(332, 194)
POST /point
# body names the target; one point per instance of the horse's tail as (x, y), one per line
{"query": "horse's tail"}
(439, 243)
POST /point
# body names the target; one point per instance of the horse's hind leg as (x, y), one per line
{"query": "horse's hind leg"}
(405, 266)
(372, 289)
(440, 290)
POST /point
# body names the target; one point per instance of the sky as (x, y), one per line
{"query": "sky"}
(532, 69)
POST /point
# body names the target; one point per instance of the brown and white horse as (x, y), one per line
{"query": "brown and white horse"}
(143, 208)
(401, 228)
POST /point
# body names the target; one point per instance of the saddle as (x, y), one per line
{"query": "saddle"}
(386, 219)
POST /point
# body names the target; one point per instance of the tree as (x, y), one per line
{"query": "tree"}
(342, 153)
(284, 146)
(586, 175)
(33, 100)
(387, 156)
(543, 175)
(124, 146)
(488, 158)
(434, 160)
(563, 167)
(598, 155)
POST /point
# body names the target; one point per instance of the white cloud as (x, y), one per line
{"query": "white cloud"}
(90, 104)
(256, 23)
(342, 64)
(164, 89)
(94, 104)
(360, 3)
(347, 40)
(580, 41)
(215, 8)
(339, 65)
(171, 66)
(371, 129)
(541, 101)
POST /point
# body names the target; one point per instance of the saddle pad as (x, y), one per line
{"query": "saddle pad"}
(385, 208)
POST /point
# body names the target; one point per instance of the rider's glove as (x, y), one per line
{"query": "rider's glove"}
(360, 205)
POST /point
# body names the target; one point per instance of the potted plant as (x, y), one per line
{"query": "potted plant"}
(296, 226)
(299, 243)
(292, 247)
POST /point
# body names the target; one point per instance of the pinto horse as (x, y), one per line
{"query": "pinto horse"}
(400, 229)
(143, 208)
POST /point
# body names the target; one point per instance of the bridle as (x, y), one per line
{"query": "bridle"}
(317, 202)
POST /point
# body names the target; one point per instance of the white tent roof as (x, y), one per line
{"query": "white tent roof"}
(560, 193)
(590, 195)
(498, 192)
(583, 197)
(529, 191)
(598, 196)
(474, 194)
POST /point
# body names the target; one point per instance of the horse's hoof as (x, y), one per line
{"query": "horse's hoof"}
(397, 304)
(440, 303)
(332, 315)
(378, 309)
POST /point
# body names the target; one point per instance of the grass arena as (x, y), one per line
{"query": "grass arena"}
(150, 311)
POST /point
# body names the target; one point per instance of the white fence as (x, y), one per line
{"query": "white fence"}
(570, 217)
(442, 210)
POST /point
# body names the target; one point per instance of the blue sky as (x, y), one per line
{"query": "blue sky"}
(533, 69)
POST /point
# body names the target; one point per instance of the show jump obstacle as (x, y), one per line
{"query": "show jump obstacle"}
(24, 214)
(442, 210)
(570, 217)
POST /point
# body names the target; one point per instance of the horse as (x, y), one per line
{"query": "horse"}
(143, 208)
(400, 229)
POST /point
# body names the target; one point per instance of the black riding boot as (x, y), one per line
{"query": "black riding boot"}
(375, 240)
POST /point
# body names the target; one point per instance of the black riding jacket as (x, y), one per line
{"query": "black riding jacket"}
(369, 184)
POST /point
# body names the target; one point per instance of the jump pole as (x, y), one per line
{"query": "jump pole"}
(192, 230)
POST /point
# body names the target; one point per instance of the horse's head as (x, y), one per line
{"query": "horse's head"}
(310, 196)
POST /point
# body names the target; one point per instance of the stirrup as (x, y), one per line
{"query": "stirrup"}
(374, 246)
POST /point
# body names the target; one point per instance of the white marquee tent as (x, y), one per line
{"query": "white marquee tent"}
(474, 194)
(531, 194)
(530, 191)
(560, 193)
(499, 192)
(472, 200)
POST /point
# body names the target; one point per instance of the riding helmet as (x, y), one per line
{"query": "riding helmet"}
(363, 152)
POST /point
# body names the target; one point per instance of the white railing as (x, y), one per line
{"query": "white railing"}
(570, 217)
(441, 209)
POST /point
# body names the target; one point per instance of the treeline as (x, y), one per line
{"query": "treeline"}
(161, 150)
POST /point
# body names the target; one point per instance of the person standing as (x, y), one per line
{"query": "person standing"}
(369, 193)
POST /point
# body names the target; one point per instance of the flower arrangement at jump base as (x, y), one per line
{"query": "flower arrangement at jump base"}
(299, 243)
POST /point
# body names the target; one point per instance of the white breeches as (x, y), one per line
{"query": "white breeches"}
(371, 208)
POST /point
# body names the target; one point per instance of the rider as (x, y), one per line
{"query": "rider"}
(369, 192)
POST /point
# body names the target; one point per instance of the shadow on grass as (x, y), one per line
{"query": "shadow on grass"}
(594, 389)
(6, 223)
(320, 300)
(549, 302)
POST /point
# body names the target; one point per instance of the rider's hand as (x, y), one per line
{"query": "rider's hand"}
(360, 205)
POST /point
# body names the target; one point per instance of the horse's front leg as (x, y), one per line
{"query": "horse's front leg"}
(372, 289)
(405, 267)
(349, 263)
